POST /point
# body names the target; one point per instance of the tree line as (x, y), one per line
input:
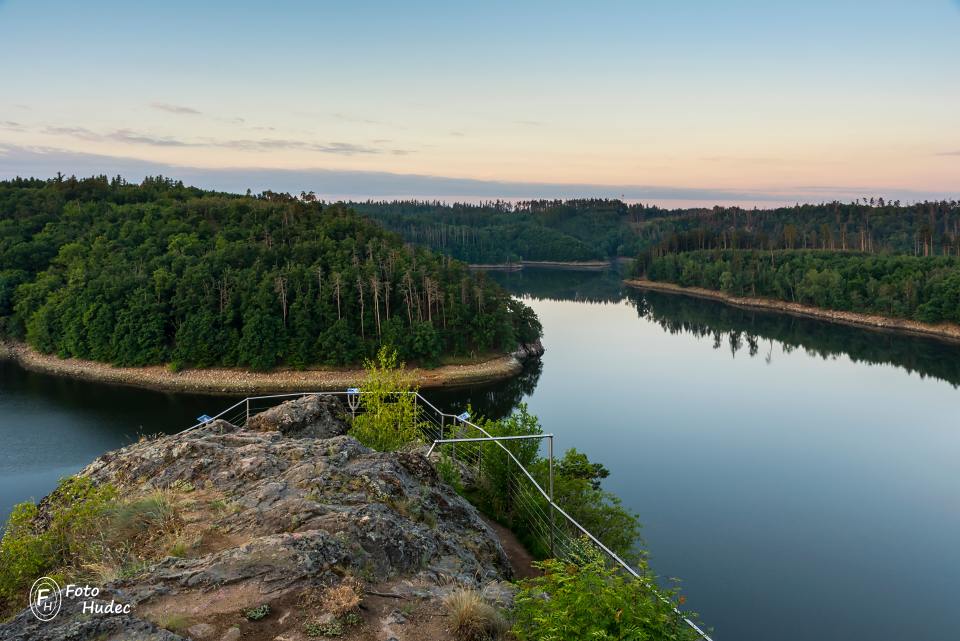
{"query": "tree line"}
(590, 229)
(157, 272)
(920, 288)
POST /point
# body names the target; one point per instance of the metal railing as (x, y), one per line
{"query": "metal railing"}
(534, 504)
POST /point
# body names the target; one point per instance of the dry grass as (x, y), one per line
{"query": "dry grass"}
(338, 600)
(472, 618)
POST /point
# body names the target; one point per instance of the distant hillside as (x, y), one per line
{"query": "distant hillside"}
(158, 272)
(591, 229)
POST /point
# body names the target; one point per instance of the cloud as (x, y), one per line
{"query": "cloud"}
(120, 135)
(950, 153)
(260, 144)
(529, 123)
(365, 121)
(127, 135)
(9, 124)
(180, 110)
(331, 184)
(274, 144)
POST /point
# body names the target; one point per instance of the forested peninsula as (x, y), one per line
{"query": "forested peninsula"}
(159, 273)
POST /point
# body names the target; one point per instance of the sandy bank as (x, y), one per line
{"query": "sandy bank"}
(943, 331)
(573, 265)
(239, 381)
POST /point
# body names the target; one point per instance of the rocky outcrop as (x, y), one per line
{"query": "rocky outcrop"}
(526, 351)
(291, 506)
(313, 416)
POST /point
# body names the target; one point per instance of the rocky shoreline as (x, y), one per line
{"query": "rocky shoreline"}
(945, 331)
(573, 265)
(238, 381)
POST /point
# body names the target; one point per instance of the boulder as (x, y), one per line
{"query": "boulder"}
(314, 416)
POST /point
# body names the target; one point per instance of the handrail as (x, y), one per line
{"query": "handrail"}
(488, 437)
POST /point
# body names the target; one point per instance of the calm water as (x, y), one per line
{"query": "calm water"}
(799, 477)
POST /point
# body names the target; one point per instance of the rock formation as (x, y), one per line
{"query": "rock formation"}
(287, 508)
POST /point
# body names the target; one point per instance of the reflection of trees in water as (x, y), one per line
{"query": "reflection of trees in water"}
(756, 333)
(492, 401)
(556, 284)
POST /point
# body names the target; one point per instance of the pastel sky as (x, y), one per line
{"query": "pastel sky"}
(666, 100)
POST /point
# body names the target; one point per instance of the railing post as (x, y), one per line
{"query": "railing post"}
(248, 413)
(552, 527)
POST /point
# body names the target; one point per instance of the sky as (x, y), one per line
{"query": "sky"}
(670, 101)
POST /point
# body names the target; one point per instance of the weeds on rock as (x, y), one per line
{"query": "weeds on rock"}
(257, 613)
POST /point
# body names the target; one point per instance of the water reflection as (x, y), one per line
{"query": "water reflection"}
(755, 333)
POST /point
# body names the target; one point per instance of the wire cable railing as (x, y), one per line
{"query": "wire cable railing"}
(546, 522)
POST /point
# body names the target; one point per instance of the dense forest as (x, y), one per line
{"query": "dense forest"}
(501, 232)
(591, 229)
(916, 287)
(157, 272)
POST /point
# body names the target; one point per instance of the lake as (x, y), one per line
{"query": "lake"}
(799, 477)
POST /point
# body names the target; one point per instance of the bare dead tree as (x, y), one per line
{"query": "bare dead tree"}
(280, 286)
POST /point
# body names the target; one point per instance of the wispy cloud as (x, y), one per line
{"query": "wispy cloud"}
(365, 121)
(127, 135)
(950, 153)
(130, 136)
(9, 124)
(529, 123)
(119, 135)
(274, 144)
(180, 110)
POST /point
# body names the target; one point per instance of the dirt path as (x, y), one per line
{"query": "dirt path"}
(520, 558)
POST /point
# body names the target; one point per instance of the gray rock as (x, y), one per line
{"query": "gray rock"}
(201, 631)
(301, 512)
(72, 625)
(312, 416)
(231, 635)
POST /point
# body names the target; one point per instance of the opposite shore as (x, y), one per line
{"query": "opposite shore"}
(219, 380)
(943, 331)
(574, 265)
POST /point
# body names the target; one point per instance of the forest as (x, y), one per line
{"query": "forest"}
(922, 288)
(501, 232)
(592, 229)
(158, 272)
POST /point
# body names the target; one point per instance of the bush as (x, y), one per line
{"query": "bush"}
(77, 510)
(592, 601)
(89, 531)
(389, 418)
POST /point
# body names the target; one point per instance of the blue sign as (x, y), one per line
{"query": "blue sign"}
(353, 390)
(464, 416)
(203, 418)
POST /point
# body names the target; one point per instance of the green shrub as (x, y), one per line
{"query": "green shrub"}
(24, 556)
(590, 600)
(90, 532)
(390, 419)
(257, 613)
(449, 472)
